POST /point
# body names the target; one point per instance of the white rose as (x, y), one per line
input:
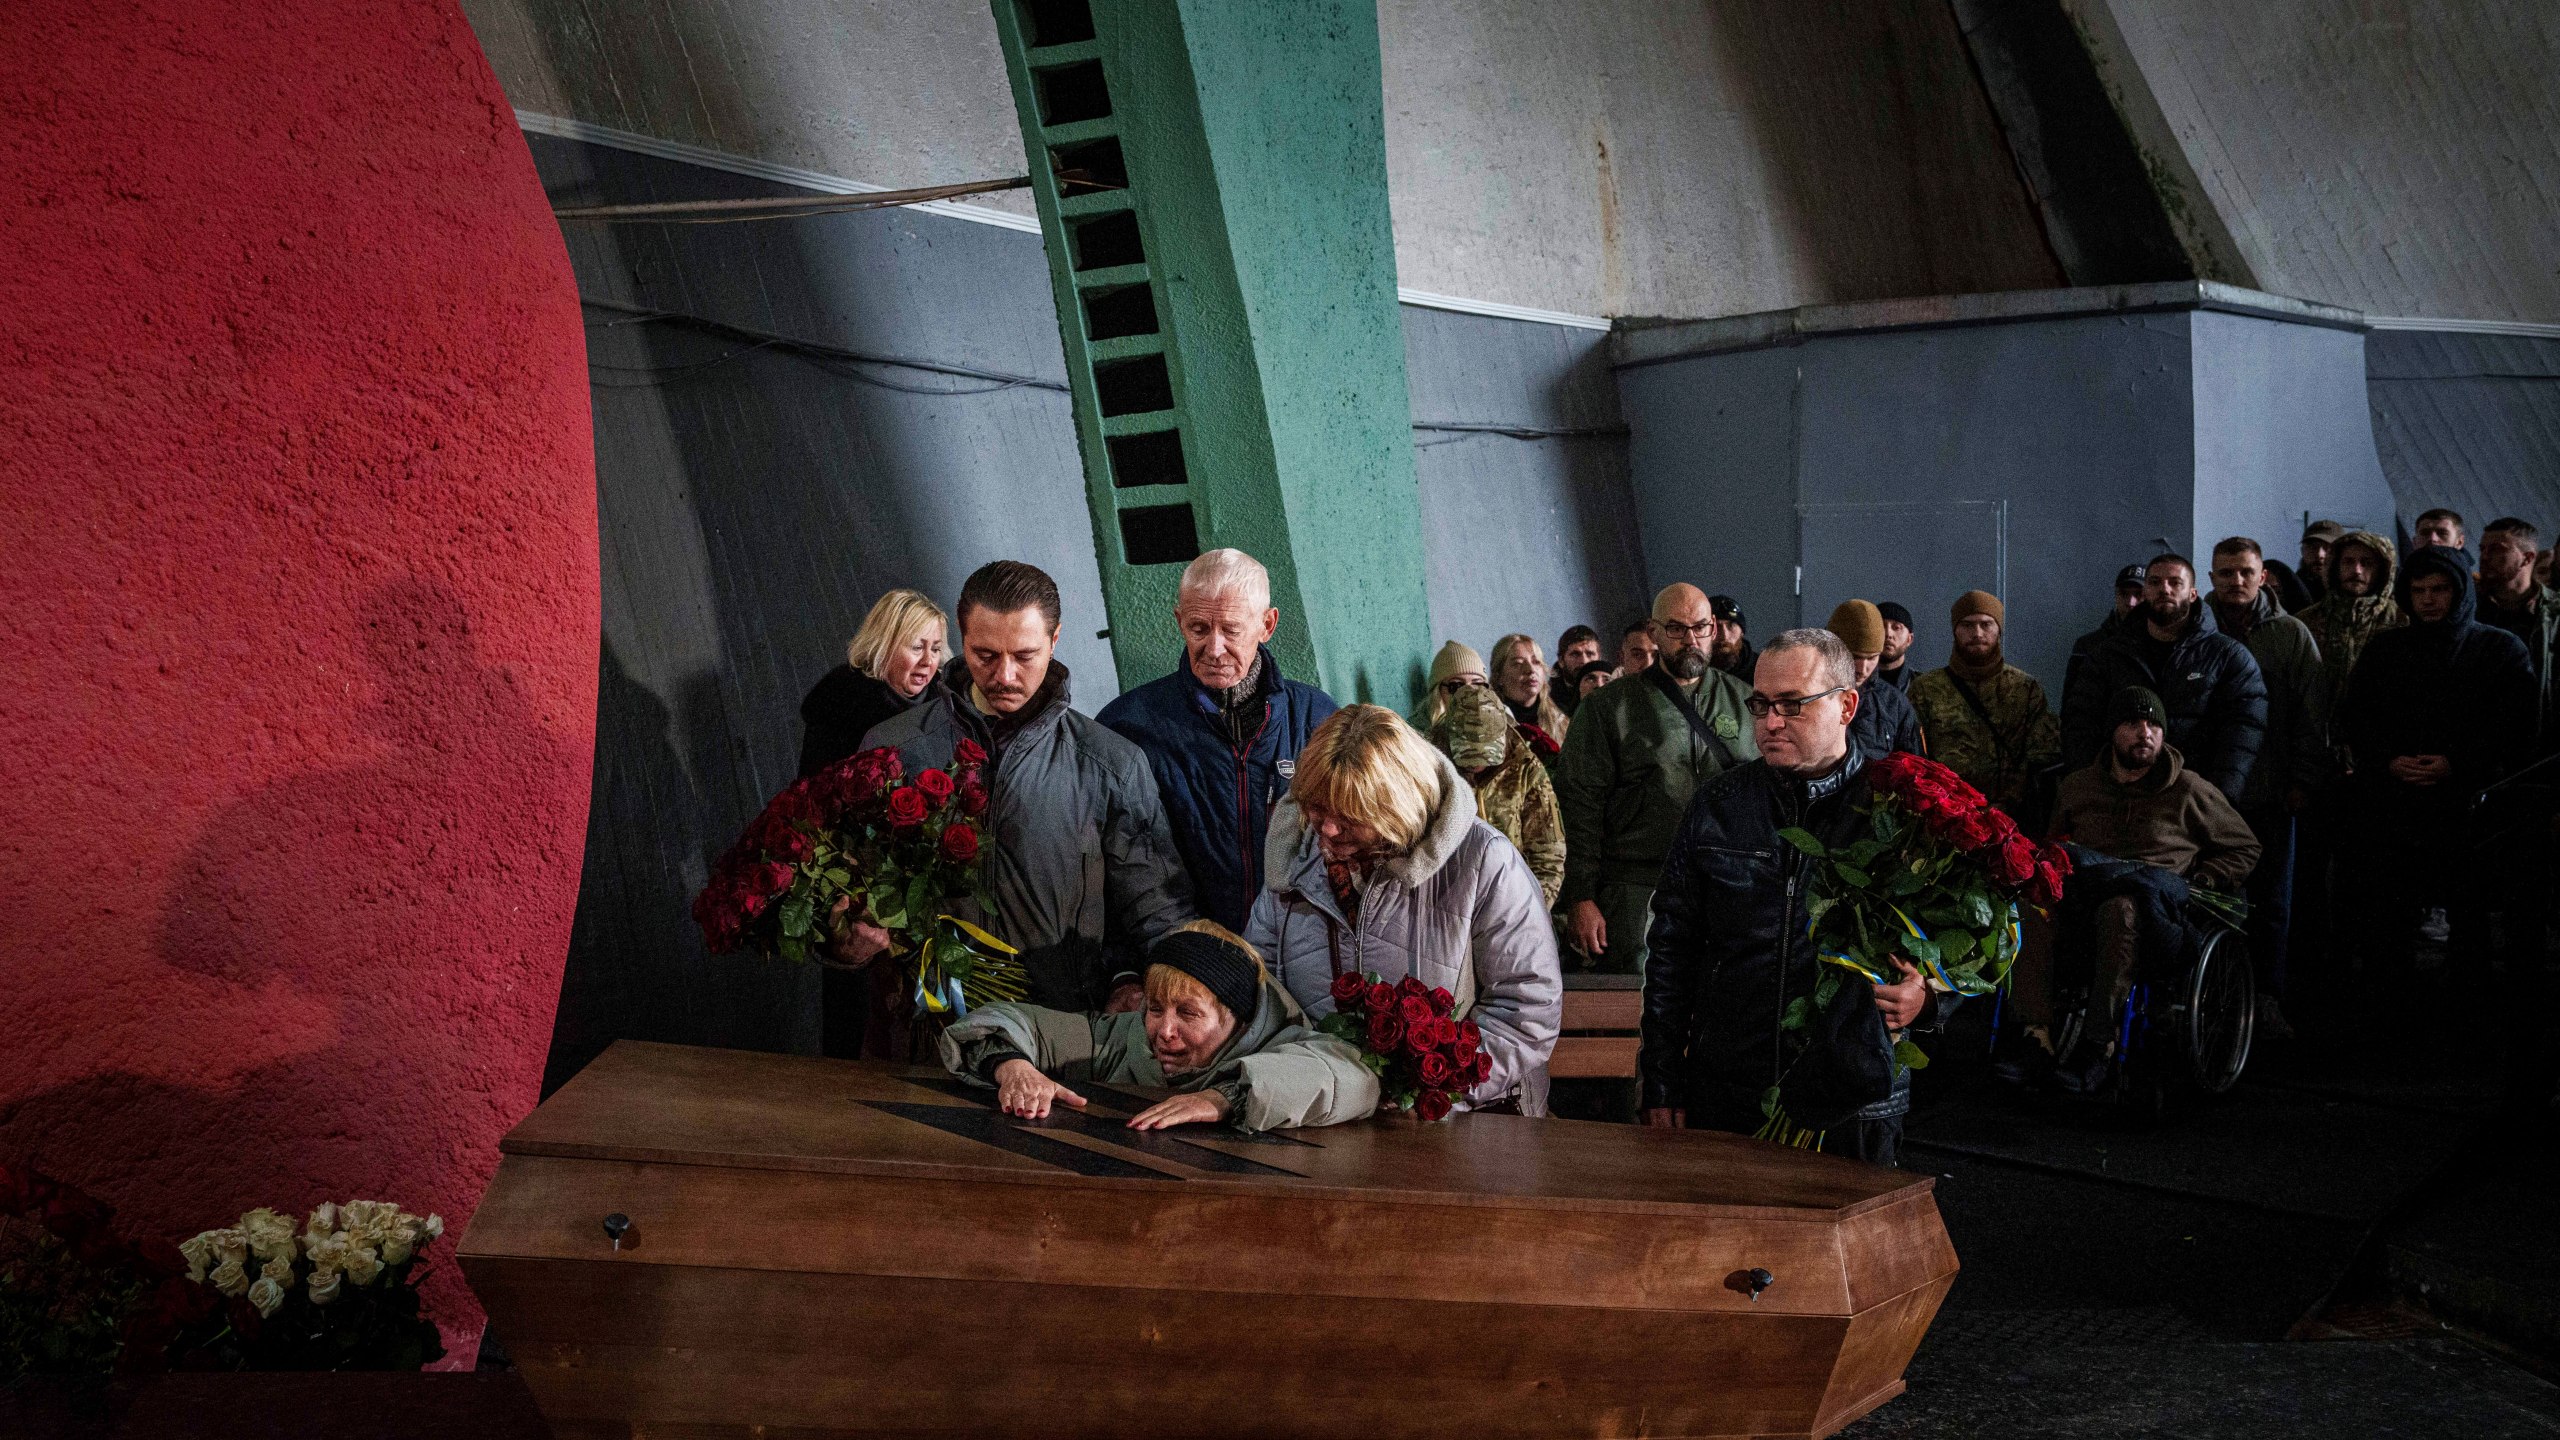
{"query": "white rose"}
(323, 1220)
(362, 1215)
(269, 1233)
(327, 1252)
(267, 1295)
(396, 1247)
(199, 1253)
(324, 1286)
(432, 1230)
(229, 1245)
(362, 1265)
(230, 1278)
(279, 1269)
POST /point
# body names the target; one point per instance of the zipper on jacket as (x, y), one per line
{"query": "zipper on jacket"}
(1244, 801)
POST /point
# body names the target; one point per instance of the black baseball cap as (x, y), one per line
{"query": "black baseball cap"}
(1894, 614)
(1726, 608)
(2132, 576)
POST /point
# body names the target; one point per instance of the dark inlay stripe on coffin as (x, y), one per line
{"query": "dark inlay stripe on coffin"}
(1112, 1132)
(1134, 1102)
(989, 1128)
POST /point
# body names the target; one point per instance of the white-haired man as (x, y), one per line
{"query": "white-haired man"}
(1222, 732)
(1728, 953)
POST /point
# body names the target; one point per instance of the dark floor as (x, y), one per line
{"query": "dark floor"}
(2384, 1202)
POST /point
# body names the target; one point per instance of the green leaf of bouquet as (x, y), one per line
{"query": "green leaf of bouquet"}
(1798, 1013)
(838, 876)
(1954, 945)
(1915, 948)
(1824, 987)
(1804, 841)
(1819, 906)
(795, 918)
(1853, 874)
(1770, 1100)
(1977, 907)
(1909, 1056)
(1909, 882)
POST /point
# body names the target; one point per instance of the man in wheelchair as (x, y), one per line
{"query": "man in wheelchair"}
(2147, 834)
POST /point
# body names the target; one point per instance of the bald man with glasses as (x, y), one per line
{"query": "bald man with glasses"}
(1639, 747)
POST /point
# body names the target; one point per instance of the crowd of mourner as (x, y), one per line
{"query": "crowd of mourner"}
(1188, 872)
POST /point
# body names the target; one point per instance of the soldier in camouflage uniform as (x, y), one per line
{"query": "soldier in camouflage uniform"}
(1513, 793)
(1987, 719)
(2357, 608)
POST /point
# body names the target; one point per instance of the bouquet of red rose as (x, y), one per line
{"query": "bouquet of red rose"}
(1424, 1057)
(861, 841)
(1937, 881)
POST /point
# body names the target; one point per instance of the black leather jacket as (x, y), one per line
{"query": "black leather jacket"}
(1728, 946)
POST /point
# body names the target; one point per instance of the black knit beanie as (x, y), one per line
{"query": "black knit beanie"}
(2134, 702)
(1226, 968)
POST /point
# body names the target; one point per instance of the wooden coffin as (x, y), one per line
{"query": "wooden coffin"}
(822, 1247)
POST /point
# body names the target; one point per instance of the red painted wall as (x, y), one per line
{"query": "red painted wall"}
(298, 623)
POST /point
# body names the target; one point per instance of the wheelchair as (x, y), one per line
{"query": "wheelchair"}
(2184, 1033)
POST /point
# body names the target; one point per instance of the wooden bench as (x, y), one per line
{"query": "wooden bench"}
(1602, 1014)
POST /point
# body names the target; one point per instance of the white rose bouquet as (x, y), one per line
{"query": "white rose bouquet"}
(339, 1295)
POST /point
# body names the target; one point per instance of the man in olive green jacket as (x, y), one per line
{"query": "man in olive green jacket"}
(1640, 746)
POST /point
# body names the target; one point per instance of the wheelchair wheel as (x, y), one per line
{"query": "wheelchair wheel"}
(2217, 1006)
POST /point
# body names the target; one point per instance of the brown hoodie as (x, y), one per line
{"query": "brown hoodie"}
(2167, 818)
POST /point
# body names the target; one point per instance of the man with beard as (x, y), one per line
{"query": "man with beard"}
(2514, 601)
(1728, 941)
(2434, 712)
(1223, 731)
(2291, 765)
(1988, 720)
(1886, 722)
(2216, 698)
(2136, 803)
(1080, 868)
(1892, 667)
(2357, 608)
(2312, 573)
(1575, 648)
(1640, 746)
(1731, 652)
(2127, 605)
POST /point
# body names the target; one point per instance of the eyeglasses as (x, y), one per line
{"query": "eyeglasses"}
(1760, 705)
(1677, 631)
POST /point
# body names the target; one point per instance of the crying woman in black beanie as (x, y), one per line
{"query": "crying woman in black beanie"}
(1216, 1030)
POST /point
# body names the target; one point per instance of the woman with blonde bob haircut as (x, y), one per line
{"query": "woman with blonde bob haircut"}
(1521, 678)
(892, 660)
(1217, 1030)
(1377, 864)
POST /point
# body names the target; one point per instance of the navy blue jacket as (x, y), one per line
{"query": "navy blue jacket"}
(1217, 799)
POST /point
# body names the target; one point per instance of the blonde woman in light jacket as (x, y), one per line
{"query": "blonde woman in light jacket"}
(1377, 863)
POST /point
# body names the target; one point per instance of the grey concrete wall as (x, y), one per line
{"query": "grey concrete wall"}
(755, 500)
(2468, 421)
(2400, 157)
(1522, 531)
(1607, 157)
(2283, 431)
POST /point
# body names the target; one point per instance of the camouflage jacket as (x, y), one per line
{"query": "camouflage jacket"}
(1516, 798)
(1999, 759)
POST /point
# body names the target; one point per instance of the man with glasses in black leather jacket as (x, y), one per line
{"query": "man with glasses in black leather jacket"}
(1728, 947)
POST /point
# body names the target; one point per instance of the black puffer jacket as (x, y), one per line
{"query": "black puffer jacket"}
(2456, 688)
(1886, 721)
(2216, 697)
(1728, 947)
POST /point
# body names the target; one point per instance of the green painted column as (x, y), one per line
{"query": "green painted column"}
(1212, 184)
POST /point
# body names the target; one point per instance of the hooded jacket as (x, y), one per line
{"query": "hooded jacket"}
(1460, 911)
(2452, 687)
(1514, 795)
(1275, 1070)
(1080, 870)
(2297, 745)
(2343, 624)
(1728, 948)
(2168, 818)
(1217, 793)
(1886, 721)
(1629, 768)
(2217, 699)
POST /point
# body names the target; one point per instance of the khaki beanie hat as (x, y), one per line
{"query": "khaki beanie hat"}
(1980, 602)
(1455, 659)
(1860, 626)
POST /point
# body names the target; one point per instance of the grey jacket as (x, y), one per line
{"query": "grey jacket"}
(2296, 751)
(1461, 911)
(1080, 869)
(1275, 1070)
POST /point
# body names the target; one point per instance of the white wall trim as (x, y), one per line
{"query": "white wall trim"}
(562, 128)
(2531, 329)
(566, 129)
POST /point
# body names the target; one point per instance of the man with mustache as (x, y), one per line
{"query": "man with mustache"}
(2216, 697)
(1080, 870)
(1639, 746)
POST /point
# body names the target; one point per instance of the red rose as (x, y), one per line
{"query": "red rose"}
(1442, 1001)
(1432, 1105)
(968, 752)
(1436, 1033)
(1969, 832)
(1436, 1071)
(937, 785)
(1349, 990)
(772, 877)
(907, 807)
(1463, 1050)
(973, 800)
(1481, 1070)
(959, 842)
(793, 844)
(1410, 986)
(1416, 1010)
(1468, 1034)
(2017, 862)
(873, 772)
(1382, 997)
(746, 904)
(1386, 1031)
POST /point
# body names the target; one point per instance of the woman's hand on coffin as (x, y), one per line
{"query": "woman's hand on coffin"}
(1199, 1107)
(1022, 1090)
